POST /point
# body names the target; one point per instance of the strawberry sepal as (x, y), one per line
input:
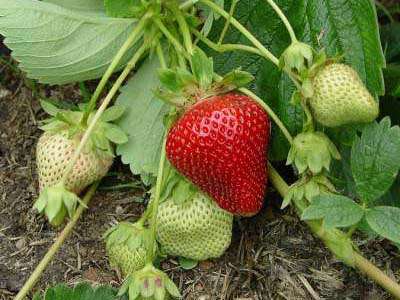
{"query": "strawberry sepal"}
(312, 151)
(298, 56)
(307, 188)
(56, 202)
(149, 283)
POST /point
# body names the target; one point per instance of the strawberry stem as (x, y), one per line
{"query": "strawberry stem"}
(37, 273)
(263, 51)
(243, 30)
(161, 57)
(225, 47)
(187, 39)
(284, 19)
(228, 21)
(358, 261)
(131, 64)
(155, 203)
(132, 38)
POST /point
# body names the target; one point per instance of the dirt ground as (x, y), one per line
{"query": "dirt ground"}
(272, 256)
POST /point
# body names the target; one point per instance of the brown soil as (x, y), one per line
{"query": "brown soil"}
(272, 256)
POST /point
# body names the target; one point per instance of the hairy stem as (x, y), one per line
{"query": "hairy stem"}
(285, 21)
(228, 21)
(187, 39)
(131, 64)
(264, 52)
(187, 4)
(155, 203)
(132, 38)
(329, 237)
(37, 273)
(225, 47)
(178, 47)
(161, 57)
(267, 54)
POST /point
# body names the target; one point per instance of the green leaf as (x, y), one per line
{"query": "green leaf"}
(59, 45)
(49, 108)
(203, 68)
(335, 210)
(340, 26)
(341, 175)
(82, 291)
(115, 134)
(123, 8)
(392, 196)
(171, 80)
(375, 160)
(143, 121)
(113, 113)
(94, 6)
(187, 263)
(385, 220)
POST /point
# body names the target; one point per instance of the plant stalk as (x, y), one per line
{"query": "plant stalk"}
(228, 21)
(327, 236)
(131, 64)
(225, 47)
(284, 19)
(185, 31)
(37, 273)
(132, 38)
(156, 202)
(267, 54)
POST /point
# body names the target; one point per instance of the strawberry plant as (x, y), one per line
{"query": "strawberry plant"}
(217, 99)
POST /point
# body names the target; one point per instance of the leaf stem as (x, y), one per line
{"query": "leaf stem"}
(358, 261)
(178, 47)
(131, 64)
(368, 268)
(155, 202)
(225, 47)
(228, 21)
(187, 39)
(161, 57)
(385, 11)
(188, 4)
(136, 33)
(267, 54)
(37, 273)
(284, 19)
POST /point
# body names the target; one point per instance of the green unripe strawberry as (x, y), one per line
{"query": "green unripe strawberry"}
(197, 228)
(149, 283)
(126, 246)
(54, 152)
(56, 149)
(340, 97)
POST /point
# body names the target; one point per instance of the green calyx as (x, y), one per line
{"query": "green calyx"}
(312, 151)
(149, 283)
(104, 134)
(182, 88)
(307, 188)
(126, 245)
(298, 56)
(56, 202)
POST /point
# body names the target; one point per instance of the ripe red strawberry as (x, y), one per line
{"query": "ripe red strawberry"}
(220, 144)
